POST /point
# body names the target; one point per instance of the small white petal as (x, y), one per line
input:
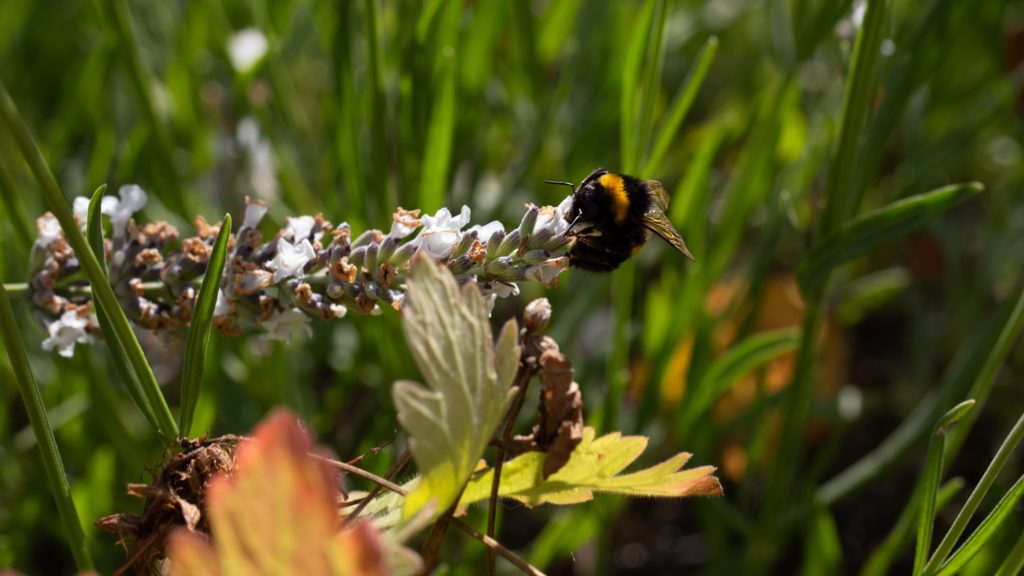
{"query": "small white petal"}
(66, 332)
(503, 290)
(338, 310)
(246, 48)
(255, 210)
(485, 232)
(133, 199)
(49, 230)
(290, 259)
(81, 209)
(300, 227)
(284, 325)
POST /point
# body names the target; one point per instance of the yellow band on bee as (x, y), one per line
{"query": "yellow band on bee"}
(617, 189)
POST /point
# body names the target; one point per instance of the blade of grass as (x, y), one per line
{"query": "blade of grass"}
(860, 91)
(932, 477)
(123, 337)
(797, 405)
(681, 105)
(988, 528)
(987, 374)
(900, 536)
(201, 326)
(974, 500)
(94, 233)
(36, 410)
(878, 226)
(742, 358)
(630, 79)
(438, 146)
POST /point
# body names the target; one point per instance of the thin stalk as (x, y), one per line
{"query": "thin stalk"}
(102, 290)
(36, 410)
(522, 382)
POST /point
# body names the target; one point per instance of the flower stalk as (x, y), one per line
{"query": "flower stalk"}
(275, 285)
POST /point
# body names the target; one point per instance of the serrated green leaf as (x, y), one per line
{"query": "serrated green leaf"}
(94, 234)
(594, 466)
(201, 326)
(988, 528)
(450, 421)
(878, 226)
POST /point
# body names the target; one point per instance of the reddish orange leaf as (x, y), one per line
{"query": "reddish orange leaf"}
(277, 515)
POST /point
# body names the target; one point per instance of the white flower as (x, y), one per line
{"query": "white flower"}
(442, 232)
(67, 332)
(554, 220)
(81, 209)
(284, 325)
(246, 48)
(503, 290)
(49, 230)
(255, 210)
(290, 259)
(133, 199)
(300, 227)
(484, 233)
(547, 272)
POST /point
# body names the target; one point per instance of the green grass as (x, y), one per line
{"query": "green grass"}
(806, 158)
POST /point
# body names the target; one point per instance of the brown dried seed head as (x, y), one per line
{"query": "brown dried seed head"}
(342, 271)
(148, 257)
(537, 315)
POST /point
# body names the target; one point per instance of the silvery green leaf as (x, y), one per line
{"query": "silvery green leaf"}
(468, 382)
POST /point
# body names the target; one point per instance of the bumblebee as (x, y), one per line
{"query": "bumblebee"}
(612, 215)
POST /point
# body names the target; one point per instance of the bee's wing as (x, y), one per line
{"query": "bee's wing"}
(656, 220)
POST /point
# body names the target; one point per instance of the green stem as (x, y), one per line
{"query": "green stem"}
(36, 410)
(102, 291)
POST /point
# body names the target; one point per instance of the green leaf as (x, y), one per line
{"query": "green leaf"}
(594, 466)
(932, 479)
(94, 233)
(10, 335)
(681, 105)
(742, 358)
(121, 335)
(989, 527)
(202, 323)
(468, 379)
(878, 226)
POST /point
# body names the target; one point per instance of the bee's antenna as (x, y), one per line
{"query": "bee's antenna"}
(560, 183)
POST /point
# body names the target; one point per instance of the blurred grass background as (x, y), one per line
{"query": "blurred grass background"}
(358, 107)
